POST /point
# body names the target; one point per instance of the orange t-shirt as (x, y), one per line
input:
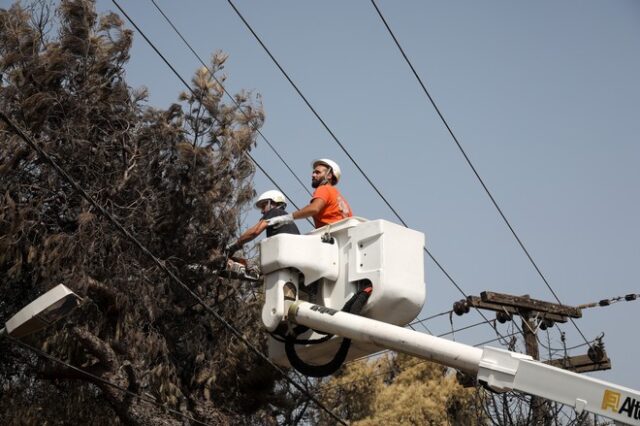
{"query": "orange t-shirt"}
(335, 208)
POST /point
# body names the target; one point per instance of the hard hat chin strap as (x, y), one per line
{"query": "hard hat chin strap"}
(326, 180)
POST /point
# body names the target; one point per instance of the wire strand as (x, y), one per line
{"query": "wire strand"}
(160, 264)
(313, 110)
(420, 321)
(170, 22)
(468, 160)
(515, 333)
(164, 59)
(607, 302)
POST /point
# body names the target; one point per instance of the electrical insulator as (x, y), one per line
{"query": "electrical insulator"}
(546, 323)
(461, 307)
(596, 352)
(503, 317)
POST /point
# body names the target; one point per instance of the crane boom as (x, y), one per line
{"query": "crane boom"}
(499, 369)
(313, 279)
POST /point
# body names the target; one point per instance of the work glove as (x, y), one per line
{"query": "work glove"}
(278, 221)
(232, 248)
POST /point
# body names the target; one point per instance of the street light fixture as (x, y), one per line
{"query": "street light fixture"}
(42, 312)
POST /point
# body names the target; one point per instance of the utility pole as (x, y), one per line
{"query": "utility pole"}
(536, 313)
(539, 407)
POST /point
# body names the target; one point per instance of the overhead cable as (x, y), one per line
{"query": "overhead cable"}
(170, 22)
(190, 89)
(313, 110)
(468, 160)
(420, 321)
(607, 302)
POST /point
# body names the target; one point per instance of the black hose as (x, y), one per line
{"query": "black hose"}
(297, 341)
(353, 306)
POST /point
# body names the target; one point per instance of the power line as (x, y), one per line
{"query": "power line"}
(335, 138)
(535, 334)
(313, 110)
(104, 381)
(499, 338)
(550, 348)
(423, 320)
(420, 321)
(160, 264)
(191, 90)
(468, 327)
(466, 157)
(422, 324)
(607, 302)
(228, 94)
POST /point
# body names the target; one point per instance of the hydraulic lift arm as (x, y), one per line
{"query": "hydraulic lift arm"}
(498, 369)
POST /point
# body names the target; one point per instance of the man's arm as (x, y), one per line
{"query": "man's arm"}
(312, 209)
(248, 235)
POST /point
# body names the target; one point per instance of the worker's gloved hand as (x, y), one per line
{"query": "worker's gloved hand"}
(278, 221)
(232, 248)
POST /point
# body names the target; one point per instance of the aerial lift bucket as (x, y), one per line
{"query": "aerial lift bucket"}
(329, 266)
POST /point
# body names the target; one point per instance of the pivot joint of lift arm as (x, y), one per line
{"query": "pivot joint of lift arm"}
(498, 368)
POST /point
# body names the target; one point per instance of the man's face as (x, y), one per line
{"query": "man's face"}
(319, 174)
(265, 206)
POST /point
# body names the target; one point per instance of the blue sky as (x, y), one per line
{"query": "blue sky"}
(543, 96)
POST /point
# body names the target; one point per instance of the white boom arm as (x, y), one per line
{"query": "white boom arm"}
(499, 369)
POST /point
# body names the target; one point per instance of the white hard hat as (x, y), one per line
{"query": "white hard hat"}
(335, 169)
(273, 195)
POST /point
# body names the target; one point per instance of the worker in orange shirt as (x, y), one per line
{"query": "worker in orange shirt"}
(327, 204)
